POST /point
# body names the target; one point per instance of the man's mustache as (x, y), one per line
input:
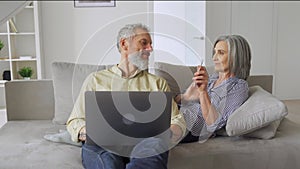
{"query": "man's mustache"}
(145, 52)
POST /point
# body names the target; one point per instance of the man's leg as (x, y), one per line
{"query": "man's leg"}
(151, 153)
(95, 157)
(155, 162)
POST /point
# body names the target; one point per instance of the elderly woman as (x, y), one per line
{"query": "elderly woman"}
(210, 100)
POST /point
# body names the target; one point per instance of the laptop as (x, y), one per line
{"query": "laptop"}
(124, 118)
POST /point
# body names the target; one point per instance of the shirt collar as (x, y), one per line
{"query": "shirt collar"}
(224, 87)
(115, 69)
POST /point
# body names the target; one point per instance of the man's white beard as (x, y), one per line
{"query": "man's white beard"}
(137, 60)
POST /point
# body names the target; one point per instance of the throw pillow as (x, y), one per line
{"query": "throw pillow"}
(266, 132)
(258, 111)
(67, 81)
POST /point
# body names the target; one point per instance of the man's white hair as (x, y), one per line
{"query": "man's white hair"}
(128, 31)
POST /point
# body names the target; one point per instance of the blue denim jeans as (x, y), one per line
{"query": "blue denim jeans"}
(95, 157)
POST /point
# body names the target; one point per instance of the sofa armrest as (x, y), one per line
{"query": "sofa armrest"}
(29, 100)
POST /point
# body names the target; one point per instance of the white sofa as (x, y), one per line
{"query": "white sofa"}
(40, 107)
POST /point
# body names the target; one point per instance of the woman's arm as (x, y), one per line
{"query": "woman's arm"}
(200, 79)
(209, 113)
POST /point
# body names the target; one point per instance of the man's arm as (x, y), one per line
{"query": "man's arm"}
(76, 121)
(178, 125)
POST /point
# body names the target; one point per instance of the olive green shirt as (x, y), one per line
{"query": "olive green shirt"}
(112, 80)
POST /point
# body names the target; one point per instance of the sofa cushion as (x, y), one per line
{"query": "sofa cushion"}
(23, 147)
(67, 82)
(258, 111)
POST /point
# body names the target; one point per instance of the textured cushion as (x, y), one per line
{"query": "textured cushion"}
(258, 111)
(25, 148)
(67, 82)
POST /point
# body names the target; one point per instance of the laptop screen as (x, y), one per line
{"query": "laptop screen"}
(117, 118)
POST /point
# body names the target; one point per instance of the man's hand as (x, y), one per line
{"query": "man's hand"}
(82, 134)
(191, 94)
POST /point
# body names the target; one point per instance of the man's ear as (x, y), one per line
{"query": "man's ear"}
(124, 44)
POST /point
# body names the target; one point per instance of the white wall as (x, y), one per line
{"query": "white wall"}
(88, 35)
(252, 20)
(270, 27)
(179, 28)
(169, 32)
(218, 22)
(288, 58)
(66, 30)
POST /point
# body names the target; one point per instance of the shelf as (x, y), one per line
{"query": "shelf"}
(17, 60)
(4, 60)
(22, 46)
(18, 34)
(28, 7)
(22, 33)
(24, 79)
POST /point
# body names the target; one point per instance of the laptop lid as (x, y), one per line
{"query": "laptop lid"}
(123, 118)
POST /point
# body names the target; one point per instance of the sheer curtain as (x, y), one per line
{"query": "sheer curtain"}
(10, 8)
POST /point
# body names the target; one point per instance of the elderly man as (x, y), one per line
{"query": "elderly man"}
(135, 45)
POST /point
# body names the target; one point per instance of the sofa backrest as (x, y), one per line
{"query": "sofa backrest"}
(179, 77)
(56, 97)
(67, 81)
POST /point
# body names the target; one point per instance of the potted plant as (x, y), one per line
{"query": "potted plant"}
(1, 45)
(26, 72)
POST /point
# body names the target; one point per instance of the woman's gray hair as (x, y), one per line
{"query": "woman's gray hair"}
(128, 31)
(239, 55)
